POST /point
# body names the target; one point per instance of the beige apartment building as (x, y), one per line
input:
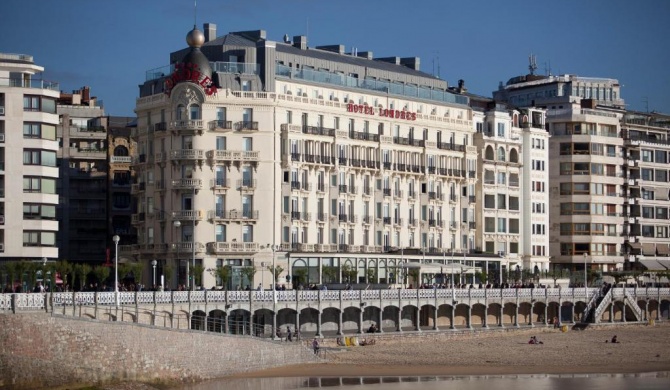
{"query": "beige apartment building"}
(252, 152)
(28, 148)
(605, 216)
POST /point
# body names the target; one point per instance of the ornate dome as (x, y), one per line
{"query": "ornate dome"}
(195, 38)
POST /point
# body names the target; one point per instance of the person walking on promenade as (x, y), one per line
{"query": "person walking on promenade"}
(315, 346)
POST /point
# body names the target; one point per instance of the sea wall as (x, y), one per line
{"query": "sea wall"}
(41, 351)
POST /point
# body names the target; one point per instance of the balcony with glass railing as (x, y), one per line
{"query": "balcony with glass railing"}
(219, 66)
(398, 89)
(32, 83)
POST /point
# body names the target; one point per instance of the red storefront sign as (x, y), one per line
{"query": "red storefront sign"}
(189, 72)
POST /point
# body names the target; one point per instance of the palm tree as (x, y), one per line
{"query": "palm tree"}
(82, 271)
(329, 274)
(22, 267)
(223, 273)
(63, 268)
(101, 273)
(10, 271)
(197, 274)
(249, 273)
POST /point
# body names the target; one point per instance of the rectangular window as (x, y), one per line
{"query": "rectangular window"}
(39, 157)
(39, 238)
(39, 184)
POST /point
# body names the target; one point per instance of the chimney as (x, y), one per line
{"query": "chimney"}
(85, 94)
(461, 86)
(210, 31)
(365, 54)
(411, 62)
(300, 41)
(339, 49)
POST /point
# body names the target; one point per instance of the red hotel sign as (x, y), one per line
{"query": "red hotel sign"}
(189, 72)
(383, 112)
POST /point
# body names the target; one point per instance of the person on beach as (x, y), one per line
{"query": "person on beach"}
(289, 337)
(315, 346)
(614, 340)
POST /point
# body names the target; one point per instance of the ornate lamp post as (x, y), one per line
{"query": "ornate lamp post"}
(153, 264)
(177, 225)
(116, 240)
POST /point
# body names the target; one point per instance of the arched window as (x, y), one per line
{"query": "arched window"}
(374, 276)
(181, 112)
(513, 156)
(121, 151)
(194, 112)
(489, 153)
(501, 154)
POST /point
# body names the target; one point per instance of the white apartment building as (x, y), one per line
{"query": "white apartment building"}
(27, 155)
(586, 172)
(646, 190)
(313, 159)
(512, 196)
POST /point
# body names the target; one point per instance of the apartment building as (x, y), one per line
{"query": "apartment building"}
(646, 190)
(586, 173)
(120, 205)
(82, 133)
(512, 208)
(253, 152)
(28, 147)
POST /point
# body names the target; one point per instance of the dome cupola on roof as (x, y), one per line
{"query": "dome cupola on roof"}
(193, 67)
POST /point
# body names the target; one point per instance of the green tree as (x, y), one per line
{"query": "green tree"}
(555, 274)
(526, 275)
(349, 273)
(482, 276)
(248, 273)
(300, 276)
(63, 268)
(168, 273)
(618, 276)
(223, 273)
(138, 272)
(371, 275)
(31, 272)
(329, 274)
(101, 273)
(198, 270)
(277, 271)
(414, 274)
(10, 270)
(81, 271)
(22, 268)
(124, 270)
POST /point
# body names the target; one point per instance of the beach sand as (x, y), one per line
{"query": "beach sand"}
(641, 349)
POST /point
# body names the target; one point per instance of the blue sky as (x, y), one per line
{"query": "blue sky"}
(109, 44)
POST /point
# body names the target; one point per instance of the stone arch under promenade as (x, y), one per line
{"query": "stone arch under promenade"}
(239, 322)
(509, 314)
(553, 312)
(444, 316)
(664, 308)
(539, 312)
(216, 321)
(461, 315)
(286, 318)
(330, 320)
(390, 317)
(568, 312)
(408, 317)
(525, 313)
(493, 314)
(262, 321)
(351, 316)
(370, 317)
(578, 310)
(478, 316)
(198, 318)
(309, 318)
(427, 317)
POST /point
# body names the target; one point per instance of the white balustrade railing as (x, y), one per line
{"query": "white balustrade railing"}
(30, 301)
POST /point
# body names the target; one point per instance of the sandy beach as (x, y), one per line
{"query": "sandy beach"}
(641, 349)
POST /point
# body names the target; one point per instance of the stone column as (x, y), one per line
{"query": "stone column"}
(418, 319)
(469, 316)
(453, 316)
(297, 322)
(339, 324)
(623, 310)
(612, 311)
(485, 319)
(274, 326)
(502, 314)
(546, 313)
(530, 321)
(360, 321)
(381, 317)
(435, 319)
(516, 314)
(318, 324)
(399, 319)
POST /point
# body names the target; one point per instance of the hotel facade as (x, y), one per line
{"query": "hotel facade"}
(336, 167)
(28, 147)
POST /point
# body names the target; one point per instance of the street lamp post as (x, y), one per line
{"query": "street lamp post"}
(153, 264)
(274, 269)
(116, 240)
(193, 241)
(177, 225)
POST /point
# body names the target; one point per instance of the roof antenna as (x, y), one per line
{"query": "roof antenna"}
(532, 66)
(195, 13)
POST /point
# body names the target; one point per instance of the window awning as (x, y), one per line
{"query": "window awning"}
(652, 265)
(635, 245)
(648, 249)
(662, 249)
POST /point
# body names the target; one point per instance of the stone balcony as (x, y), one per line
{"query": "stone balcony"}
(187, 184)
(188, 215)
(232, 247)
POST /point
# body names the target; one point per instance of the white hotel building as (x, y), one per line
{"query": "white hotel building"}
(315, 160)
(28, 148)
